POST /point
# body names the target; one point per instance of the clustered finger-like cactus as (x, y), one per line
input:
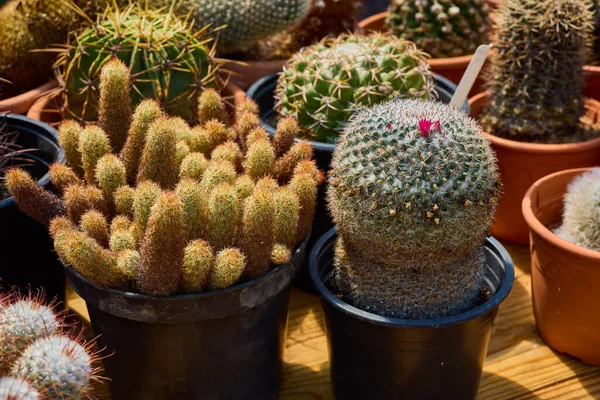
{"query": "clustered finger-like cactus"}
(413, 191)
(40, 353)
(234, 206)
(537, 70)
(168, 61)
(441, 28)
(324, 84)
(581, 214)
(327, 18)
(244, 22)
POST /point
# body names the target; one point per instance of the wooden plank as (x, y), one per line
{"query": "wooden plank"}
(518, 366)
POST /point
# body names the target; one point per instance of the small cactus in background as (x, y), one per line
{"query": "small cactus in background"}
(168, 61)
(42, 356)
(537, 71)
(245, 21)
(416, 214)
(441, 28)
(324, 84)
(148, 219)
(581, 214)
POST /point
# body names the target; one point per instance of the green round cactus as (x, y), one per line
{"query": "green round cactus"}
(324, 84)
(414, 186)
(167, 60)
(441, 28)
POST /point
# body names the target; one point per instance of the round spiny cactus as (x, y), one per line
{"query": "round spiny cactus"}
(324, 84)
(57, 366)
(414, 186)
(167, 60)
(581, 215)
(22, 322)
(441, 28)
(17, 389)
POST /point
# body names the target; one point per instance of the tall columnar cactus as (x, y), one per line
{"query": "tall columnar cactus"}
(324, 84)
(168, 62)
(581, 214)
(413, 191)
(441, 28)
(537, 71)
(245, 22)
(150, 219)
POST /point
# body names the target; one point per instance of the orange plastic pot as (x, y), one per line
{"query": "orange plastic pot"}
(20, 104)
(452, 68)
(47, 108)
(565, 277)
(521, 164)
(592, 81)
(247, 72)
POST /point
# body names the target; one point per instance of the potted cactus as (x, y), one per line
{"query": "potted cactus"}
(168, 60)
(448, 31)
(327, 18)
(535, 113)
(28, 26)
(565, 257)
(185, 238)
(42, 356)
(33, 146)
(306, 93)
(410, 281)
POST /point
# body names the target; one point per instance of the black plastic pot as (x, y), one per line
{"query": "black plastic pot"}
(374, 357)
(262, 92)
(27, 257)
(226, 344)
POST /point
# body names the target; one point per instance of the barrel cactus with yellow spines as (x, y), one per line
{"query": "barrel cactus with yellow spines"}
(324, 84)
(169, 61)
(441, 28)
(204, 223)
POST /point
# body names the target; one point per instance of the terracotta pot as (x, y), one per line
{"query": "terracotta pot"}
(47, 108)
(20, 104)
(452, 68)
(565, 277)
(521, 164)
(244, 75)
(592, 81)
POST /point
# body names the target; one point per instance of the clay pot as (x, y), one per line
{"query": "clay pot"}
(565, 277)
(592, 81)
(20, 104)
(248, 72)
(521, 164)
(452, 68)
(47, 108)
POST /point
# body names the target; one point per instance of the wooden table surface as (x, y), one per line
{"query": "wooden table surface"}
(518, 366)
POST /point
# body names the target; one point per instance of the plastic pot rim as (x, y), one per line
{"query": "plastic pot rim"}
(535, 225)
(356, 313)
(44, 181)
(321, 146)
(535, 148)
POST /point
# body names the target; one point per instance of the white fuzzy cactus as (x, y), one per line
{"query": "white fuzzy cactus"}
(17, 389)
(22, 323)
(581, 215)
(57, 366)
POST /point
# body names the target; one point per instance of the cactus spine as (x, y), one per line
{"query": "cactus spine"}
(416, 214)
